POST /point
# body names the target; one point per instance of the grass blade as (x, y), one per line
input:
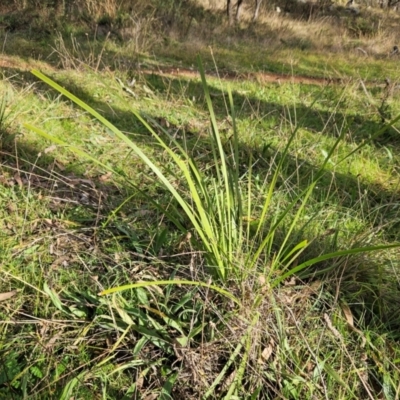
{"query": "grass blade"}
(171, 282)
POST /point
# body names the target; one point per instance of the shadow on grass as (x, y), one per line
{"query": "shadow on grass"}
(188, 24)
(374, 203)
(310, 118)
(328, 121)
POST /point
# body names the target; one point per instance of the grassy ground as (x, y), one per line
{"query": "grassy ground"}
(70, 228)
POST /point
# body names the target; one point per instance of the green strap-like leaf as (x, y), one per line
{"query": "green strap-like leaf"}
(171, 282)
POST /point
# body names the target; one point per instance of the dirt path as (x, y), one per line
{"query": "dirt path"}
(262, 77)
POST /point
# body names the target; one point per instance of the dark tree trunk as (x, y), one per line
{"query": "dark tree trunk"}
(239, 9)
(231, 4)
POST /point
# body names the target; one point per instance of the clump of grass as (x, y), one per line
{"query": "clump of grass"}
(206, 320)
(250, 249)
(76, 56)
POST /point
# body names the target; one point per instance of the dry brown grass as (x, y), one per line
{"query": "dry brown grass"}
(302, 26)
(373, 32)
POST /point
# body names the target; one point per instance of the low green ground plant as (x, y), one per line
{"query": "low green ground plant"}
(249, 241)
(164, 235)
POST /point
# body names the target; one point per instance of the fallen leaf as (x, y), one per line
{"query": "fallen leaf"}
(349, 316)
(12, 207)
(139, 382)
(48, 221)
(106, 177)
(315, 286)
(50, 344)
(7, 295)
(153, 396)
(350, 321)
(229, 380)
(59, 165)
(61, 261)
(50, 149)
(264, 283)
(292, 282)
(18, 179)
(266, 353)
(164, 123)
(185, 240)
(310, 366)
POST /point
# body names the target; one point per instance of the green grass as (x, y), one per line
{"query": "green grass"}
(71, 230)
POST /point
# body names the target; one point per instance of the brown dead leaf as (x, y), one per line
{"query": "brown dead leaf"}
(349, 316)
(12, 208)
(329, 232)
(59, 165)
(18, 179)
(48, 222)
(266, 353)
(61, 261)
(7, 295)
(106, 177)
(350, 322)
(152, 396)
(315, 286)
(185, 240)
(164, 123)
(289, 297)
(292, 282)
(50, 149)
(139, 382)
(310, 367)
(264, 283)
(157, 289)
(50, 344)
(44, 327)
(229, 380)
